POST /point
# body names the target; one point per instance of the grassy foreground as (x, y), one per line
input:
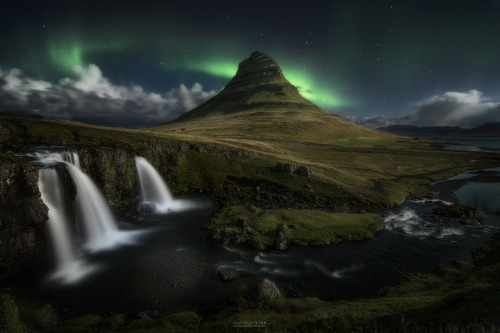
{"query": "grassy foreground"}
(265, 229)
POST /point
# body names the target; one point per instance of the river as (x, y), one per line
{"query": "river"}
(171, 266)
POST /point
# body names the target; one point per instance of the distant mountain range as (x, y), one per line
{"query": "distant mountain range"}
(487, 129)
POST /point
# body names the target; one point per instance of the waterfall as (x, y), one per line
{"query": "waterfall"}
(99, 226)
(46, 158)
(155, 191)
(51, 190)
(95, 215)
(69, 268)
(72, 158)
(98, 222)
(153, 188)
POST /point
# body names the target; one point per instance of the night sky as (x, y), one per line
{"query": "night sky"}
(142, 63)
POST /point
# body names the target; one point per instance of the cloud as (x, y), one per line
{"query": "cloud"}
(92, 98)
(453, 109)
(461, 109)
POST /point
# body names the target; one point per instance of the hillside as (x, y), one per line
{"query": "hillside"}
(231, 144)
(260, 103)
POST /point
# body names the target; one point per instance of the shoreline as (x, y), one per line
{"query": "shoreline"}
(446, 188)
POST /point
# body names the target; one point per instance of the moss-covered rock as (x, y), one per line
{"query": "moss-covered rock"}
(467, 214)
(266, 229)
(23, 213)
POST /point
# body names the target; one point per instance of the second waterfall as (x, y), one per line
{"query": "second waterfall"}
(154, 191)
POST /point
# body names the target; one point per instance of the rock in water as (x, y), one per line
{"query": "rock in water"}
(467, 214)
(147, 208)
(228, 274)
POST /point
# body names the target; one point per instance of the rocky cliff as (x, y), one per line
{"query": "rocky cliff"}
(23, 214)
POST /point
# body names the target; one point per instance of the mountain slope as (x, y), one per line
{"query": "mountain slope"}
(260, 103)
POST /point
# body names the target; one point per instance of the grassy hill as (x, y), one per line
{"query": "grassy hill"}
(379, 170)
(256, 121)
(260, 103)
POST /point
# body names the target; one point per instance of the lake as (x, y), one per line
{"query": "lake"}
(468, 143)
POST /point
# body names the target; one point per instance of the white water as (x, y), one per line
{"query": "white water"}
(99, 226)
(98, 222)
(48, 158)
(69, 268)
(154, 189)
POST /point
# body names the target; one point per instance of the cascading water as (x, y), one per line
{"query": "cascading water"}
(100, 227)
(97, 220)
(47, 159)
(94, 214)
(69, 268)
(153, 188)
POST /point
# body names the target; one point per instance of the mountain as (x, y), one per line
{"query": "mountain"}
(259, 102)
(487, 129)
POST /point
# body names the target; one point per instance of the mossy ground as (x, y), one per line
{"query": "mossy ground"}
(359, 171)
(306, 227)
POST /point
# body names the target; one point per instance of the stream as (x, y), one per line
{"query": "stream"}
(169, 264)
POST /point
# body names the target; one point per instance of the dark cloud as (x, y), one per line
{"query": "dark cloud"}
(465, 110)
(93, 99)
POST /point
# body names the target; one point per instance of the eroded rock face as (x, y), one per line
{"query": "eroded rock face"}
(22, 213)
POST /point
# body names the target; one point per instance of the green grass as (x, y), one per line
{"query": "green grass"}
(358, 170)
(305, 227)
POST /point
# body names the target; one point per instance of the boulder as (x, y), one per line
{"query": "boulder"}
(303, 171)
(285, 167)
(283, 237)
(246, 229)
(263, 290)
(228, 274)
(290, 168)
(147, 208)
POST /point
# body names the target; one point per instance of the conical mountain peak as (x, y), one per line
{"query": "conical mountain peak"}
(259, 71)
(259, 102)
(258, 66)
(258, 84)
